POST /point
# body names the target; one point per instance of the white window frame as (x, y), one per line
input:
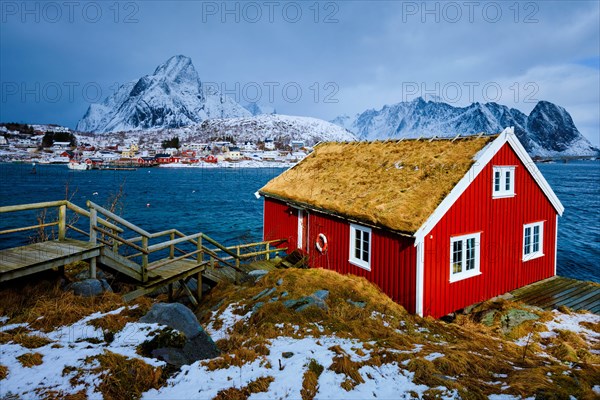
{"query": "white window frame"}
(504, 172)
(300, 240)
(465, 274)
(528, 248)
(359, 262)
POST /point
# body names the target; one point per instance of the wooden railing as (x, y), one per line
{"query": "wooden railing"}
(144, 251)
(141, 244)
(61, 221)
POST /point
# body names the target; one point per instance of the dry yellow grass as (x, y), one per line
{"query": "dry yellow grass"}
(259, 385)
(237, 358)
(310, 380)
(30, 341)
(395, 184)
(29, 360)
(342, 318)
(60, 395)
(44, 305)
(116, 322)
(3, 371)
(342, 364)
(122, 376)
(477, 360)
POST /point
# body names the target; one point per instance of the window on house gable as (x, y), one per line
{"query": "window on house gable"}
(533, 239)
(504, 182)
(360, 246)
(464, 257)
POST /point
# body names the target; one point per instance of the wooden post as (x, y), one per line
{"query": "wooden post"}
(199, 286)
(93, 268)
(62, 222)
(144, 259)
(200, 255)
(115, 246)
(172, 249)
(93, 239)
(170, 286)
(93, 224)
(237, 264)
(267, 248)
(212, 262)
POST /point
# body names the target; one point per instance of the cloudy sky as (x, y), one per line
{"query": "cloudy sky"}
(318, 59)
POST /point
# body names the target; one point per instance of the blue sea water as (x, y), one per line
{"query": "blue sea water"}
(221, 202)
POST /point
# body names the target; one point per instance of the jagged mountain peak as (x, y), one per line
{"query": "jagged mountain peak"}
(173, 96)
(547, 131)
(177, 68)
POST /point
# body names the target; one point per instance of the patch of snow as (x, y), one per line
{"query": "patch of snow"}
(388, 380)
(572, 322)
(228, 318)
(68, 349)
(433, 356)
(12, 326)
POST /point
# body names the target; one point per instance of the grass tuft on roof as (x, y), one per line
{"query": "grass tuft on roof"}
(397, 184)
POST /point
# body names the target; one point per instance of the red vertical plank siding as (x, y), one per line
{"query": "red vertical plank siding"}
(500, 222)
(393, 257)
(280, 222)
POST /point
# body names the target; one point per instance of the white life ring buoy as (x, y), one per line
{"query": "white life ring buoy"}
(321, 243)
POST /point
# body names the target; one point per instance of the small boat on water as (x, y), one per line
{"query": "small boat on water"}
(78, 166)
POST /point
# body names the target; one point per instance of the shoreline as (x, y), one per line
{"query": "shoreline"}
(203, 165)
(228, 164)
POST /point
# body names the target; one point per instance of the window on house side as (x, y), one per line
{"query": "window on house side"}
(504, 182)
(464, 257)
(533, 239)
(360, 246)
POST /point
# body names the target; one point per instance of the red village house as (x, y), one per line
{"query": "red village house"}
(437, 224)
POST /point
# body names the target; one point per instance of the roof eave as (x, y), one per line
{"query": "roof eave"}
(307, 206)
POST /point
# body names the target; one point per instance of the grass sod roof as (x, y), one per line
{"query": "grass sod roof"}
(392, 184)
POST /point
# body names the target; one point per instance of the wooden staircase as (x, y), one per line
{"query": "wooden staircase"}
(150, 260)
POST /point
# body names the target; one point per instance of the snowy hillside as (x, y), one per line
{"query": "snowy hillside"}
(277, 127)
(173, 96)
(548, 131)
(282, 128)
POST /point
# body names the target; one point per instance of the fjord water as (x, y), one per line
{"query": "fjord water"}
(221, 202)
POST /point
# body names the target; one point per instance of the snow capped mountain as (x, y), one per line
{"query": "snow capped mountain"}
(258, 109)
(547, 131)
(173, 96)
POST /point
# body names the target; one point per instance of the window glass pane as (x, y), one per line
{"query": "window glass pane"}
(470, 254)
(527, 248)
(536, 238)
(457, 257)
(357, 243)
(365, 246)
(496, 181)
(507, 183)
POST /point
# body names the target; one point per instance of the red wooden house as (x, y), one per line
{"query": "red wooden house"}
(437, 224)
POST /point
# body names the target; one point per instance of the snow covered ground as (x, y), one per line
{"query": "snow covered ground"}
(72, 346)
